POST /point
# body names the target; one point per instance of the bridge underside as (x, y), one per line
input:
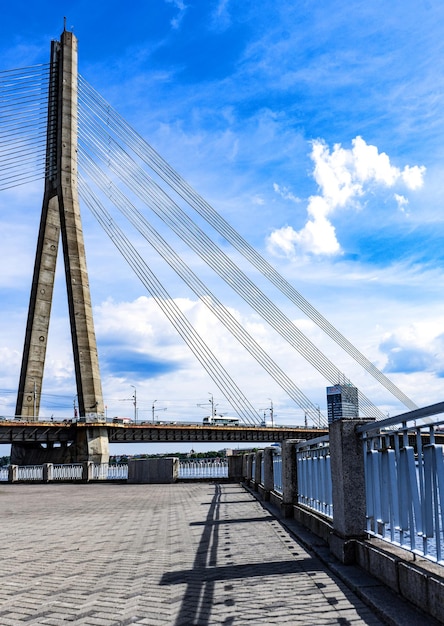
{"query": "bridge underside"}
(37, 444)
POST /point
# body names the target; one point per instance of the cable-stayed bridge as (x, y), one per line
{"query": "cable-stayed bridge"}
(56, 127)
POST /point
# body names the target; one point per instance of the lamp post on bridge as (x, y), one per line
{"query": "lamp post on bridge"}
(135, 403)
(271, 412)
(153, 409)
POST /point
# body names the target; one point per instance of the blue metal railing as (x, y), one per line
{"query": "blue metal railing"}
(405, 484)
(277, 472)
(314, 475)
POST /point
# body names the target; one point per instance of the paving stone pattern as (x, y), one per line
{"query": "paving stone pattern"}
(183, 554)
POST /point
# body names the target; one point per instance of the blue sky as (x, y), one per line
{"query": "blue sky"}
(316, 129)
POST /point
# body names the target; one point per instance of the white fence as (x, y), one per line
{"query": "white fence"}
(30, 472)
(110, 472)
(71, 471)
(203, 468)
(196, 468)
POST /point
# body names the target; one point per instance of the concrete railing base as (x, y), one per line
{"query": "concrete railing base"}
(416, 579)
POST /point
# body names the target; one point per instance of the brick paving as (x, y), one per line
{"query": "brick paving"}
(185, 554)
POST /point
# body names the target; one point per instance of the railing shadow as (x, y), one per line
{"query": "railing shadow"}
(205, 572)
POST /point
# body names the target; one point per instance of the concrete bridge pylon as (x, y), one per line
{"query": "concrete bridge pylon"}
(61, 220)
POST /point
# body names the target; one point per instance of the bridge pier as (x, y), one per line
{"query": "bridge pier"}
(92, 444)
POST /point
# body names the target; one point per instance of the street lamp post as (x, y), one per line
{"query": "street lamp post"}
(152, 408)
(135, 403)
(271, 412)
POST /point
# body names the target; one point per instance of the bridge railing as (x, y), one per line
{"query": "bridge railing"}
(277, 472)
(374, 491)
(105, 471)
(30, 472)
(393, 489)
(203, 468)
(189, 469)
(404, 481)
(314, 475)
(71, 471)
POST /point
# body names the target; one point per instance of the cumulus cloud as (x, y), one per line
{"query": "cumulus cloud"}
(343, 177)
(412, 349)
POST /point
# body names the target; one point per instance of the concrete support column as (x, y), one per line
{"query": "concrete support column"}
(92, 444)
(268, 473)
(13, 473)
(348, 481)
(87, 471)
(48, 472)
(153, 471)
(258, 469)
(289, 476)
(235, 464)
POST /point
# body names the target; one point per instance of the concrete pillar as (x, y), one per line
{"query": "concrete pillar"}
(258, 469)
(48, 472)
(268, 472)
(235, 465)
(87, 471)
(289, 476)
(61, 216)
(153, 471)
(92, 444)
(348, 484)
(13, 473)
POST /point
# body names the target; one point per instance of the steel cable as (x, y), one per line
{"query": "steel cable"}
(118, 160)
(206, 296)
(144, 151)
(205, 356)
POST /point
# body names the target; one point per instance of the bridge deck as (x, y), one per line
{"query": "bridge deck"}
(52, 432)
(179, 554)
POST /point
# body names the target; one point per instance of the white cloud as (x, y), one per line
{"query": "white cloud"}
(285, 193)
(415, 348)
(402, 202)
(343, 177)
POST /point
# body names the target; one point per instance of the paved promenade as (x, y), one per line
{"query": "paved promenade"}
(184, 554)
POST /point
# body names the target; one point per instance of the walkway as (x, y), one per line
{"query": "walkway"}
(185, 554)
